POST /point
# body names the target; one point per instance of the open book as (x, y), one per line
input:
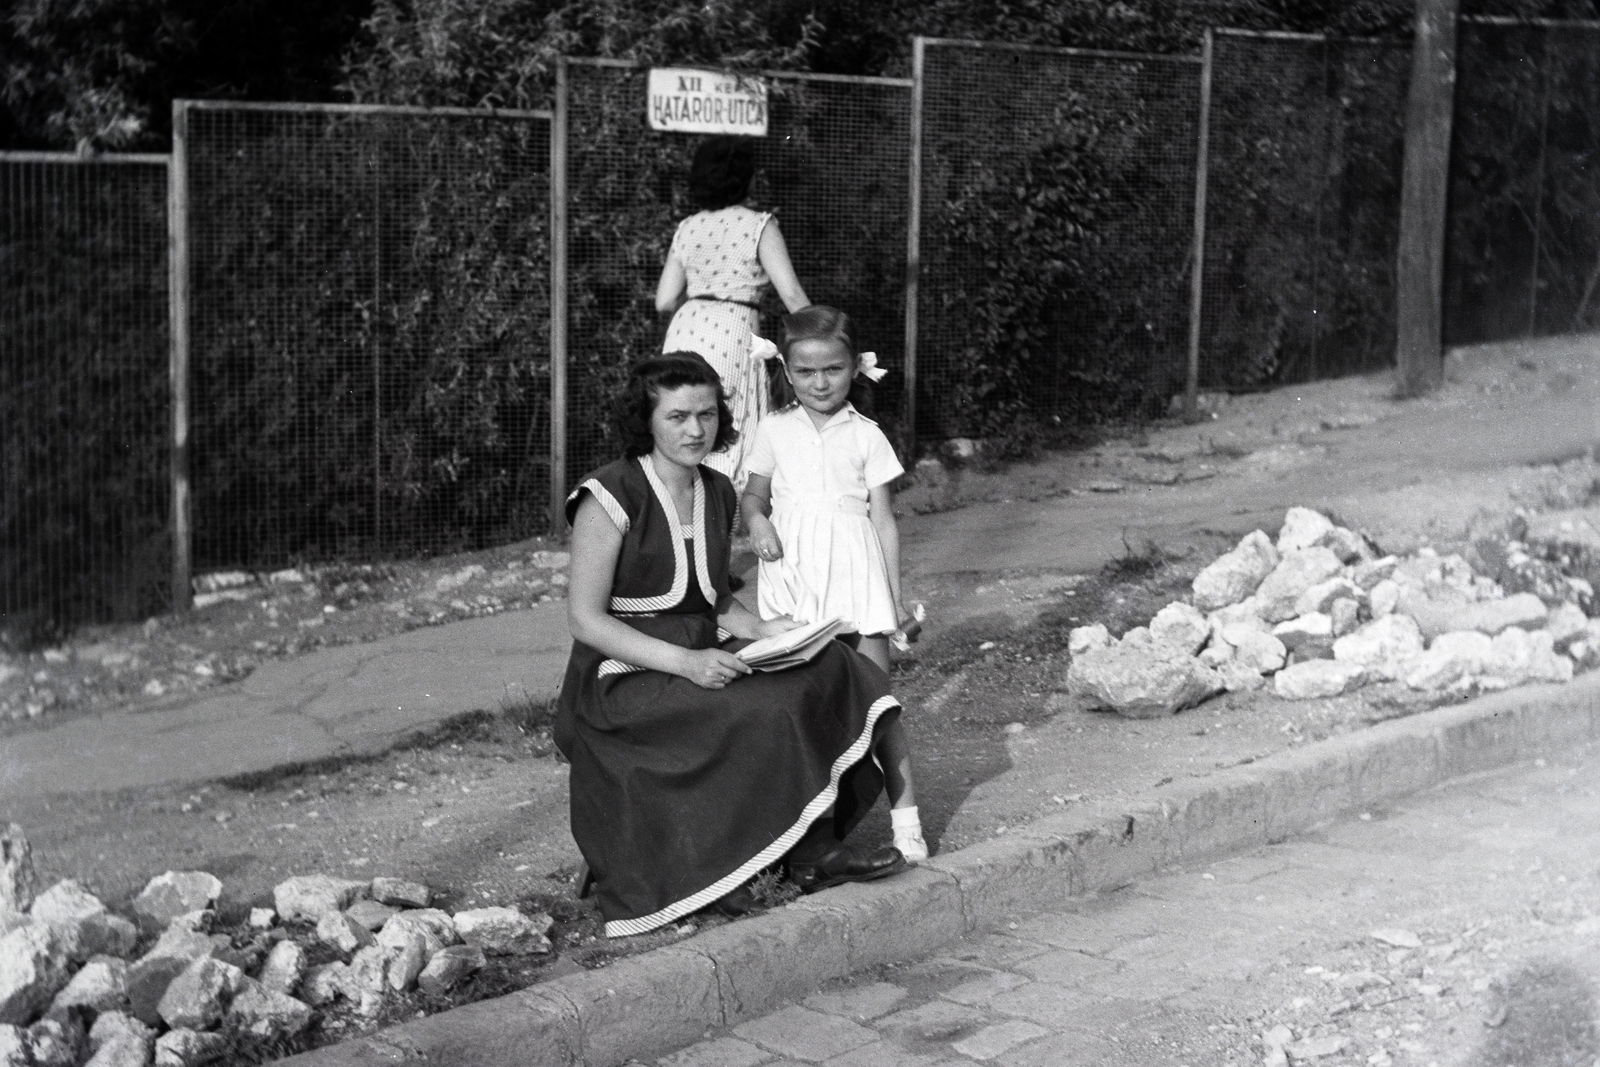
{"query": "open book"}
(793, 647)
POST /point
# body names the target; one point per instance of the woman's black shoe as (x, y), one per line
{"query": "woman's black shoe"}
(845, 864)
(739, 902)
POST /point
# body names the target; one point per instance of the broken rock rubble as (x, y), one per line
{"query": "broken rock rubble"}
(74, 991)
(1321, 613)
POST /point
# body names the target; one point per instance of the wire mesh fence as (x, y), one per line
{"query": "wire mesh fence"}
(84, 411)
(368, 293)
(1057, 231)
(369, 314)
(1302, 208)
(1523, 252)
(833, 170)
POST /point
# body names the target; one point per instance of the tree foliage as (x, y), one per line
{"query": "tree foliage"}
(102, 74)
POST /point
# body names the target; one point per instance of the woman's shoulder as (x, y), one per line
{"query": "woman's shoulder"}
(619, 486)
(625, 469)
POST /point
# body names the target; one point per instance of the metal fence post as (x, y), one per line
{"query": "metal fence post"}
(558, 303)
(1191, 388)
(1538, 186)
(913, 244)
(178, 368)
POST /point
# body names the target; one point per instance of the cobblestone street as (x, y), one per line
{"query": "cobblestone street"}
(1460, 928)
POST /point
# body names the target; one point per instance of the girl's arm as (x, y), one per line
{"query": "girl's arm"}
(596, 543)
(757, 506)
(774, 257)
(880, 508)
(673, 288)
(740, 621)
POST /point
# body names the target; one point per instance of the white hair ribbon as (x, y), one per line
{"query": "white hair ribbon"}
(763, 349)
(869, 367)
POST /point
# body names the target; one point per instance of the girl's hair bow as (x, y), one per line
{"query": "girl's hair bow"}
(763, 349)
(868, 367)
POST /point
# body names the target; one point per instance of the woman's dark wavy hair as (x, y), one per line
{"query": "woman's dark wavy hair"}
(817, 322)
(721, 173)
(636, 401)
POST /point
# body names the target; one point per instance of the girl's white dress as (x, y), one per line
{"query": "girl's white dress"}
(718, 250)
(833, 563)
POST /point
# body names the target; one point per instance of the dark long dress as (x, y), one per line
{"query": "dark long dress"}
(680, 794)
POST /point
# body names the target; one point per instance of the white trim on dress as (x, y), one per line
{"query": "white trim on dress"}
(680, 559)
(773, 852)
(618, 514)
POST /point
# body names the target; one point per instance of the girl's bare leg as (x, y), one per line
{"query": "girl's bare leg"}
(894, 756)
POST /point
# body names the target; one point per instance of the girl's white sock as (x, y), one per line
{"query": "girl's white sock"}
(907, 827)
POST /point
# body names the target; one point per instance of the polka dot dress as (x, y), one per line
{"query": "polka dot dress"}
(718, 253)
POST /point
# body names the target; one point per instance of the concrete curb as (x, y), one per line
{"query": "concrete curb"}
(651, 1004)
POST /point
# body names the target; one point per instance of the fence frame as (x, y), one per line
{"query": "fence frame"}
(179, 287)
(1197, 265)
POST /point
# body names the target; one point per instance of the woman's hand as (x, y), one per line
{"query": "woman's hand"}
(712, 668)
(774, 627)
(764, 539)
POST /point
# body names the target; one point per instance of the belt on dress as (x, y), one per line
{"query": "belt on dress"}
(846, 505)
(728, 300)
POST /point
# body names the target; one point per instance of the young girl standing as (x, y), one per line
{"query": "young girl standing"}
(822, 520)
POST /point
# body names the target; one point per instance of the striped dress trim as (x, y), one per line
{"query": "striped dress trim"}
(773, 852)
(680, 560)
(613, 508)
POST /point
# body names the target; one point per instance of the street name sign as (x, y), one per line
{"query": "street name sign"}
(685, 100)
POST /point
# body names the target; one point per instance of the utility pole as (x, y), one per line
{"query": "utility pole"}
(1430, 111)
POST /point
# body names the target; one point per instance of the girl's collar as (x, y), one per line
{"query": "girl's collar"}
(800, 409)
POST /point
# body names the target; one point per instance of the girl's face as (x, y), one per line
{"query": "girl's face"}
(684, 424)
(820, 372)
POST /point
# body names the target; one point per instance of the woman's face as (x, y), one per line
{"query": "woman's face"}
(684, 424)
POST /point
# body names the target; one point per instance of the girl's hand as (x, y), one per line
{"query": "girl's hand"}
(774, 627)
(766, 543)
(712, 668)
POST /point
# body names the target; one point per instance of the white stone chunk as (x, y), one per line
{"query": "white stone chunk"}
(1317, 678)
(1298, 571)
(1083, 639)
(1302, 528)
(1180, 625)
(505, 931)
(100, 985)
(1381, 647)
(1235, 574)
(283, 968)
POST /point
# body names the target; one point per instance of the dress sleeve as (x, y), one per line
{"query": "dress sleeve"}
(675, 249)
(882, 465)
(611, 493)
(762, 459)
(757, 228)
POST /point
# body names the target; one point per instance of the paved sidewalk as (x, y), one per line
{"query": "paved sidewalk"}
(1484, 892)
(337, 701)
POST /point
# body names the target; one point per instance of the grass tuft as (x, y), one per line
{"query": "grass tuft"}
(1136, 562)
